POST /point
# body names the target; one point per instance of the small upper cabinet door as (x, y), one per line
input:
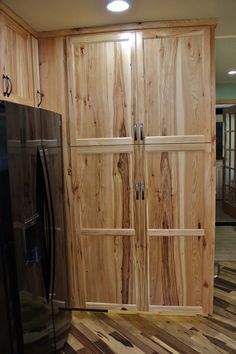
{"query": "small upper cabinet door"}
(100, 75)
(174, 81)
(16, 63)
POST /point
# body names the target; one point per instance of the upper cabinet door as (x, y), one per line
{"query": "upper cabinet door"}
(174, 85)
(16, 63)
(100, 70)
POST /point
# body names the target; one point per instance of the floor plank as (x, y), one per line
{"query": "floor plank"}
(110, 333)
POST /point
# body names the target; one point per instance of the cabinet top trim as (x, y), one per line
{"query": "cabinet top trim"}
(211, 22)
(19, 20)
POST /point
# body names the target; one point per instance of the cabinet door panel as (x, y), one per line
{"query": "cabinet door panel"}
(176, 189)
(100, 83)
(178, 209)
(105, 185)
(175, 66)
(17, 62)
(104, 214)
(109, 269)
(175, 271)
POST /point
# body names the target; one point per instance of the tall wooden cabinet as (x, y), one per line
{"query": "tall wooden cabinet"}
(142, 147)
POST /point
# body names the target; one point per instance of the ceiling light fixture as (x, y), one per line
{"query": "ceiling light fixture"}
(118, 5)
(232, 72)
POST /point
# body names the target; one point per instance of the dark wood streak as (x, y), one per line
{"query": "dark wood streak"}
(117, 336)
(85, 341)
(162, 334)
(123, 168)
(119, 94)
(131, 337)
(219, 343)
(150, 330)
(170, 291)
(166, 192)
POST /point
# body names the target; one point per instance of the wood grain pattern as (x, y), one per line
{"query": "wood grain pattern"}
(163, 333)
(107, 232)
(176, 82)
(209, 249)
(7, 11)
(131, 27)
(175, 232)
(110, 276)
(175, 139)
(176, 186)
(52, 62)
(100, 85)
(175, 271)
(16, 60)
(104, 191)
(35, 63)
(142, 241)
(175, 189)
(161, 77)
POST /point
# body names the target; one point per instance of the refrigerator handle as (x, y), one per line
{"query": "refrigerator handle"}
(53, 239)
(43, 206)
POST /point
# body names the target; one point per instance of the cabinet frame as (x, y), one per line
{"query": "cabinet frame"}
(204, 142)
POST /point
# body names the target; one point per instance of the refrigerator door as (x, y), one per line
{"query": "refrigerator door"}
(52, 148)
(29, 236)
(11, 330)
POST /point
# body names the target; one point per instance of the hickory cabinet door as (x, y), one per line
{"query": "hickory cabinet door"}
(100, 76)
(105, 214)
(179, 224)
(174, 85)
(16, 62)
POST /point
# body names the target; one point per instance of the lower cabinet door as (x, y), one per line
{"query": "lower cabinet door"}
(105, 228)
(144, 226)
(179, 228)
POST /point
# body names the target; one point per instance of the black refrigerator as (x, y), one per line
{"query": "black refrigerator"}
(33, 273)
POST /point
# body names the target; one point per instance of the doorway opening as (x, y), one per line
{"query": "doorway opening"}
(225, 250)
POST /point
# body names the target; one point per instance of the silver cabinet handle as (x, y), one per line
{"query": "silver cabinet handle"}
(142, 191)
(137, 191)
(135, 132)
(141, 132)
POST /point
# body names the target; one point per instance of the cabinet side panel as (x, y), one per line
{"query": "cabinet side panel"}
(53, 84)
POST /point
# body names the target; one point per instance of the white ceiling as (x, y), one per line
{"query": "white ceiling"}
(45, 15)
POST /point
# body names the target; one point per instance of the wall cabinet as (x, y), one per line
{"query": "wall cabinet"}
(142, 167)
(16, 63)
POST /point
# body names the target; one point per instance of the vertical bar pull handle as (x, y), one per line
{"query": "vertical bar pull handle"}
(135, 132)
(141, 132)
(137, 191)
(40, 95)
(5, 84)
(142, 191)
(10, 86)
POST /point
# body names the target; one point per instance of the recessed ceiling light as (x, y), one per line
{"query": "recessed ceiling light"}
(118, 5)
(232, 72)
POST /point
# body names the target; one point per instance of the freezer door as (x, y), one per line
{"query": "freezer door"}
(51, 141)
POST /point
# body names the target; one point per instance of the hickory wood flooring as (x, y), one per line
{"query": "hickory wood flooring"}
(137, 333)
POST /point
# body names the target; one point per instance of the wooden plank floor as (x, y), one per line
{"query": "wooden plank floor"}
(136, 333)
